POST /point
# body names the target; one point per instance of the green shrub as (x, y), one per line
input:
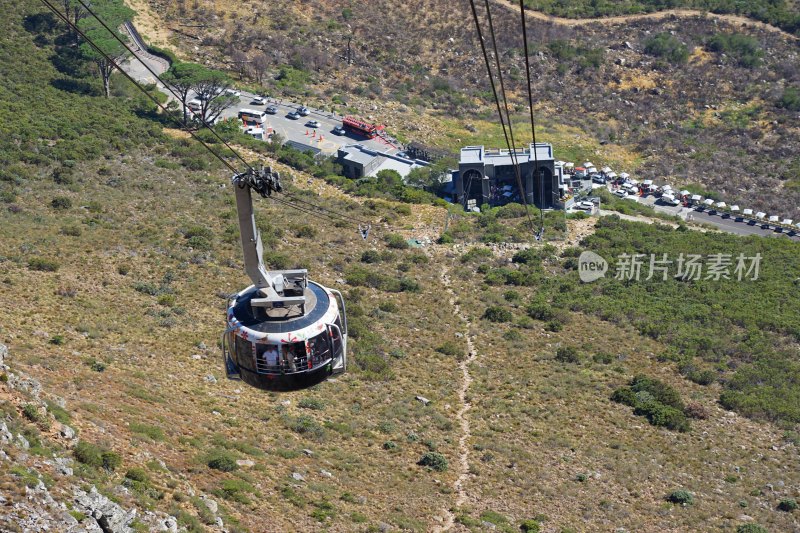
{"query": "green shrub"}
(529, 526)
(497, 314)
(681, 497)
(790, 99)
(31, 412)
(743, 48)
(450, 348)
(393, 240)
(96, 456)
(61, 203)
(311, 403)
(667, 46)
(388, 307)
(476, 253)
(42, 264)
(137, 474)
(305, 425)
(221, 460)
(656, 401)
(389, 445)
(434, 461)
(751, 528)
(152, 432)
(567, 354)
(788, 505)
(370, 256)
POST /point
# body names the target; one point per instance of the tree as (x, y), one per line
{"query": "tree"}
(210, 88)
(259, 64)
(74, 12)
(182, 78)
(113, 13)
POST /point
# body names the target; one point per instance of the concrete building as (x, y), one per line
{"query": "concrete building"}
(358, 161)
(489, 177)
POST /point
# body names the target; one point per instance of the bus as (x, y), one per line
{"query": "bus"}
(252, 115)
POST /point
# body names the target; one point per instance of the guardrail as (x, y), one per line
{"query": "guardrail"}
(141, 48)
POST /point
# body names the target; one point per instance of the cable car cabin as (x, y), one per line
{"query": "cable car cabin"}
(286, 346)
(283, 331)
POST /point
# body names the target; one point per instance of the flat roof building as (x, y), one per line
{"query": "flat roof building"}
(358, 161)
(488, 176)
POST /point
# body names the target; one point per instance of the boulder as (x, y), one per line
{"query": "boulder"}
(109, 516)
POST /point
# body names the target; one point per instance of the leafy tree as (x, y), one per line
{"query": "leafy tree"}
(210, 88)
(182, 78)
(113, 13)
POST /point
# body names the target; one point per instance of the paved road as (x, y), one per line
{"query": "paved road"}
(294, 130)
(728, 224)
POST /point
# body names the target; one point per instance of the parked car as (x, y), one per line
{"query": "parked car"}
(233, 92)
(598, 178)
(294, 115)
(585, 205)
(338, 130)
(313, 124)
(620, 193)
(272, 110)
(303, 111)
(258, 100)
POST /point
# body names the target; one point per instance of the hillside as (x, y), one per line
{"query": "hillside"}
(721, 113)
(538, 403)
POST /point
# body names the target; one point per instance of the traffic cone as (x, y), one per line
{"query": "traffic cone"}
(314, 133)
(306, 133)
(320, 138)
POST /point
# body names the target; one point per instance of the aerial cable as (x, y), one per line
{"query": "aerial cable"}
(512, 148)
(530, 108)
(494, 93)
(204, 123)
(151, 71)
(168, 113)
(128, 76)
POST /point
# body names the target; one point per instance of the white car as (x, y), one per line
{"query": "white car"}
(585, 205)
(313, 124)
(303, 111)
(620, 193)
(233, 92)
(258, 100)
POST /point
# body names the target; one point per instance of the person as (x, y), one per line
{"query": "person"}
(271, 356)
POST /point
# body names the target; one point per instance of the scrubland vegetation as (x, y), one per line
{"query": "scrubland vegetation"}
(592, 406)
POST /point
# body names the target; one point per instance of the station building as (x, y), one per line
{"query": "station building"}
(488, 176)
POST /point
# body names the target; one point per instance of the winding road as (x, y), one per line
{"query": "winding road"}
(656, 15)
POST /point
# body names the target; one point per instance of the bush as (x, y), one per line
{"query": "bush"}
(42, 264)
(790, 99)
(434, 461)
(497, 314)
(529, 526)
(96, 456)
(743, 48)
(137, 474)
(450, 348)
(311, 403)
(696, 410)
(61, 203)
(787, 505)
(668, 47)
(370, 256)
(393, 240)
(222, 460)
(751, 528)
(568, 354)
(681, 497)
(656, 401)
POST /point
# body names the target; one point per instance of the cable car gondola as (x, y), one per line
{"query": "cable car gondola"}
(284, 331)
